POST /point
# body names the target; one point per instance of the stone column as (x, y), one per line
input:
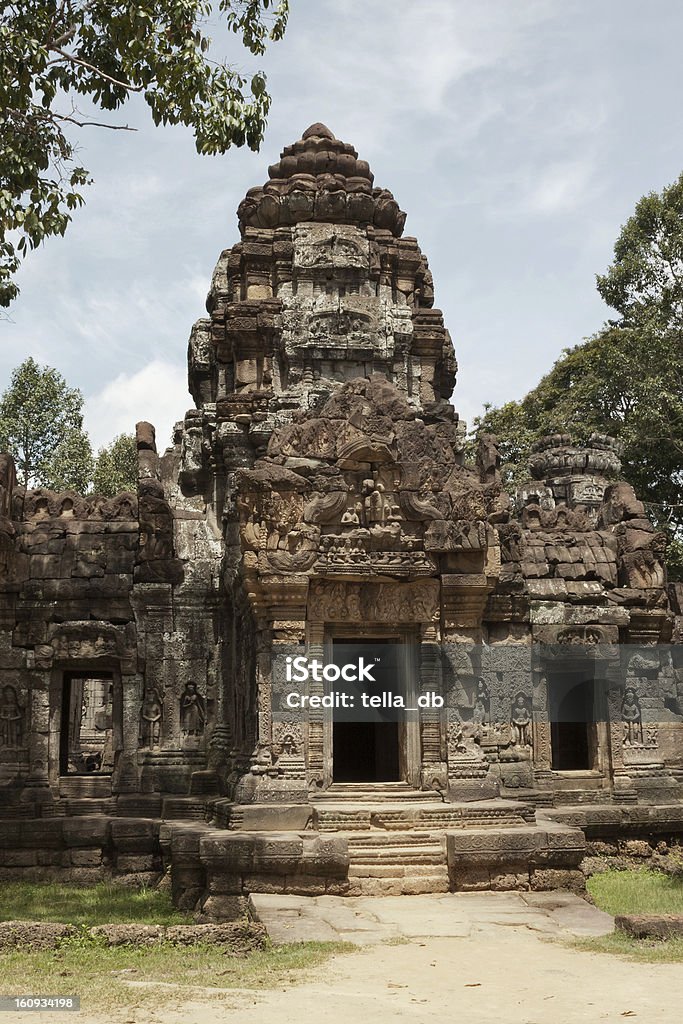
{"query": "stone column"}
(433, 767)
(542, 753)
(37, 787)
(319, 760)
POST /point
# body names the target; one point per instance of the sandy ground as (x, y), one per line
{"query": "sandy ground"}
(486, 961)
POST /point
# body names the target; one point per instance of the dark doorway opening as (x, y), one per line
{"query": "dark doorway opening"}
(368, 750)
(86, 741)
(365, 752)
(572, 718)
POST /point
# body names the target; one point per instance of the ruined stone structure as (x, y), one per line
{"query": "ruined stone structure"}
(319, 491)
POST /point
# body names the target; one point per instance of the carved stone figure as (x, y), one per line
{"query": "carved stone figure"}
(520, 729)
(150, 719)
(11, 718)
(192, 711)
(488, 459)
(632, 717)
(481, 712)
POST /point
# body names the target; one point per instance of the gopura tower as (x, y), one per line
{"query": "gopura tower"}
(319, 492)
(324, 433)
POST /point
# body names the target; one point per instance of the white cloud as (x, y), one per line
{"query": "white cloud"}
(562, 186)
(156, 393)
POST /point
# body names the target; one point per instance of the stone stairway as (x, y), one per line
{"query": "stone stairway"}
(397, 863)
(397, 837)
(85, 795)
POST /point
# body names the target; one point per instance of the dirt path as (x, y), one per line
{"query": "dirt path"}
(506, 978)
(493, 962)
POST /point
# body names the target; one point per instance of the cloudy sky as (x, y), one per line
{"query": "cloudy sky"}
(517, 135)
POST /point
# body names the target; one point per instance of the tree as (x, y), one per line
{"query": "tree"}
(623, 382)
(645, 281)
(41, 425)
(104, 50)
(116, 468)
(627, 380)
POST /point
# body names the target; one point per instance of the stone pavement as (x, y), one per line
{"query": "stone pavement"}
(367, 920)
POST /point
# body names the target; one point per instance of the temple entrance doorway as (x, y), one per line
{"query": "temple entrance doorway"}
(573, 733)
(86, 741)
(369, 743)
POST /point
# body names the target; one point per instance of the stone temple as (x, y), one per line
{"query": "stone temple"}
(319, 492)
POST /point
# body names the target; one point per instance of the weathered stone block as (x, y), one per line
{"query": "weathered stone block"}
(650, 926)
(85, 831)
(131, 835)
(265, 883)
(636, 848)
(221, 883)
(134, 863)
(555, 878)
(18, 858)
(86, 858)
(129, 934)
(304, 885)
(224, 908)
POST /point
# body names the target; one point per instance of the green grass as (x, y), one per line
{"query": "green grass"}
(649, 951)
(103, 903)
(101, 974)
(637, 892)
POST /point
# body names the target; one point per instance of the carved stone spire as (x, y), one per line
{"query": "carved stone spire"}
(320, 178)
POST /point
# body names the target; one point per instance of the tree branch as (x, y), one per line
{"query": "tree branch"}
(91, 67)
(49, 115)
(95, 124)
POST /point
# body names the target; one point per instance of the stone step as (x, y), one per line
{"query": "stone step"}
(400, 857)
(184, 808)
(362, 792)
(408, 884)
(87, 807)
(391, 856)
(397, 864)
(387, 816)
(85, 787)
(532, 797)
(564, 797)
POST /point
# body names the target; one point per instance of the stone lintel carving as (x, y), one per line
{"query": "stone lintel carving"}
(374, 602)
(86, 641)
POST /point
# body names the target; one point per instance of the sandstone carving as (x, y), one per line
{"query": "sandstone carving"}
(11, 719)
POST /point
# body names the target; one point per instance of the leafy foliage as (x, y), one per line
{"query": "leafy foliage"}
(55, 50)
(41, 425)
(116, 467)
(625, 382)
(645, 281)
